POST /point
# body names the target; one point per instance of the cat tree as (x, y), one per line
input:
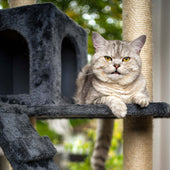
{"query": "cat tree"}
(52, 54)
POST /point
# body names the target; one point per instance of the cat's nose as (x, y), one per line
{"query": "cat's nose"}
(116, 66)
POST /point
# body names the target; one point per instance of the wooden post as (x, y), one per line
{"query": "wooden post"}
(138, 131)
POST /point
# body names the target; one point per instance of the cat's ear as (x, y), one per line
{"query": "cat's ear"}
(98, 40)
(139, 43)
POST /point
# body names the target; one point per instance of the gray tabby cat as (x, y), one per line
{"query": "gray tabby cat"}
(113, 78)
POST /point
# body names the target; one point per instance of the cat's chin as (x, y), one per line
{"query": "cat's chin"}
(121, 79)
(115, 77)
(115, 73)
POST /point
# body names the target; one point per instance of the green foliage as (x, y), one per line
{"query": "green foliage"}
(78, 122)
(103, 16)
(115, 157)
(4, 4)
(86, 147)
(81, 165)
(43, 130)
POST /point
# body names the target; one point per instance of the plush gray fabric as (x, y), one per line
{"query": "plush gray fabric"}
(22, 145)
(157, 110)
(41, 50)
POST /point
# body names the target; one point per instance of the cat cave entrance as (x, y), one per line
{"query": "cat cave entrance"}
(14, 63)
(69, 67)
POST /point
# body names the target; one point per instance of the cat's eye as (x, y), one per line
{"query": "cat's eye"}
(108, 58)
(126, 59)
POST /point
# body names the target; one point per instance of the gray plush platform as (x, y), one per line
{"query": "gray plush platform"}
(157, 110)
(25, 149)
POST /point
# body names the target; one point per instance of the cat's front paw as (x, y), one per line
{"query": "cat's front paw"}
(142, 101)
(119, 109)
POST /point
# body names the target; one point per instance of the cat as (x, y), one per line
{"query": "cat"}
(112, 78)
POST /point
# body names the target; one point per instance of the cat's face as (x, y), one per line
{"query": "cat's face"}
(117, 61)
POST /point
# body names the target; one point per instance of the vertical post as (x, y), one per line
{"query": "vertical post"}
(138, 131)
(4, 164)
(16, 3)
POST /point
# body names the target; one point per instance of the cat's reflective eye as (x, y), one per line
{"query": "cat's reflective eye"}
(126, 59)
(108, 58)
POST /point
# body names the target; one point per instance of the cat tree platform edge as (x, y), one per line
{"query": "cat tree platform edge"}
(157, 110)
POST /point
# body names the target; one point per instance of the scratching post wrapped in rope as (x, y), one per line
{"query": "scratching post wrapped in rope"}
(138, 130)
(16, 3)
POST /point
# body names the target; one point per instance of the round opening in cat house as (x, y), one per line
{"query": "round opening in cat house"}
(69, 68)
(14, 63)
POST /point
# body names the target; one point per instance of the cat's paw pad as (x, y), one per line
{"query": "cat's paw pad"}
(143, 101)
(119, 110)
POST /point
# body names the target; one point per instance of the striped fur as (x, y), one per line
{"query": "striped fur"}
(110, 79)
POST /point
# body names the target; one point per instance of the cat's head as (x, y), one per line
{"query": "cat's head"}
(117, 61)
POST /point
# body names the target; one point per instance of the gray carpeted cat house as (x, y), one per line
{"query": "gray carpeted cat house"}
(41, 52)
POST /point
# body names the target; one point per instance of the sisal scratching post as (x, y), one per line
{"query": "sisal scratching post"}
(17, 3)
(138, 130)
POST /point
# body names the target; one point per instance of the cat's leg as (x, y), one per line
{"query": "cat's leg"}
(117, 106)
(141, 99)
